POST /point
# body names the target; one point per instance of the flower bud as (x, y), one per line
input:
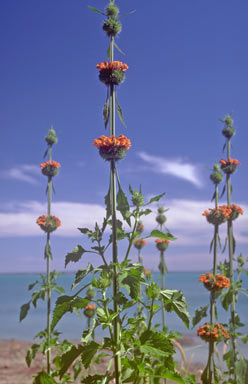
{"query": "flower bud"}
(228, 131)
(162, 244)
(140, 227)
(139, 243)
(112, 10)
(137, 199)
(90, 310)
(90, 293)
(111, 27)
(51, 138)
(161, 209)
(161, 219)
(216, 176)
(228, 120)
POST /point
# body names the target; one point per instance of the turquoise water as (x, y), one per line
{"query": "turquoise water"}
(14, 293)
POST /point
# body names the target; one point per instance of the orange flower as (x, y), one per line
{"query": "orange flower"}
(112, 147)
(139, 243)
(48, 223)
(214, 282)
(113, 65)
(222, 213)
(229, 161)
(229, 166)
(50, 162)
(158, 241)
(146, 272)
(215, 332)
(90, 306)
(162, 244)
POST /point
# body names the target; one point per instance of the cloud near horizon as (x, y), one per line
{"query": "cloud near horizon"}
(22, 172)
(174, 167)
(184, 219)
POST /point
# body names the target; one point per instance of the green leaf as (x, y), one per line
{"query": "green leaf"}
(24, 311)
(157, 340)
(132, 281)
(226, 298)
(122, 203)
(88, 352)
(75, 255)
(88, 332)
(31, 286)
(105, 113)
(225, 245)
(80, 275)
(108, 204)
(119, 110)
(199, 314)
(127, 14)
(31, 353)
(46, 152)
(44, 378)
(241, 369)
(118, 48)
(161, 235)
(68, 358)
(223, 191)
(48, 252)
(175, 301)
(96, 379)
(155, 198)
(66, 304)
(96, 10)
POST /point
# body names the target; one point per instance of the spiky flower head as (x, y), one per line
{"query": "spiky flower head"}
(214, 282)
(162, 244)
(161, 209)
(51, 138)
(90, 293)
(48, 223)
(50, 168)
(137, 199)
(112, 10)
(229, 166)
(228, 131)
(111, 27)
(228, 120)
(112, 72)
(216, 176)
(89, 310)
(112, 148)
(139, 243)
(215, 332)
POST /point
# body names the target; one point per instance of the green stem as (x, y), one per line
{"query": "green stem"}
(114, 230)
(230, 253)
(49, 200)
(132, 238)
(162, 263)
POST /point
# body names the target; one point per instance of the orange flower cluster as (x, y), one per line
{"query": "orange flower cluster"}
(159, 241)
(139, 243)
(214, 332)
(113, 65)
(229, 161)
(214, 283)
(48, 223)
(90, 306)
(112, 141)
(50, 163)
(222, 213)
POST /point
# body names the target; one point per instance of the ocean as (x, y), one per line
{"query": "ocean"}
(14, 293)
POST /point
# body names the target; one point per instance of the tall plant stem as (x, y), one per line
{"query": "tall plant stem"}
(114, 229)
(230, 252)
(49, 200)
(162, 269)
(213, 297)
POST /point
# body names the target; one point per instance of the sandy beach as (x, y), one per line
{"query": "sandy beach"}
(13, 368)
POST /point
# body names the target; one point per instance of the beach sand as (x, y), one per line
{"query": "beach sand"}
(13, 368)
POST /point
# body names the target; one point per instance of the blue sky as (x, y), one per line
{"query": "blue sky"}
(187, 67)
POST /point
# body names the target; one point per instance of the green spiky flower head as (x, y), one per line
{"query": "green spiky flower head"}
(228, 131)
(112, 10)
(216, 176)
(137, 199)
(51, 138)
(112, 27)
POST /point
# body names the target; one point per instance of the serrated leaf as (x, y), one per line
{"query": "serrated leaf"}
(122, 203)
(75, 255)
(155, 352)
(161, 235)
(175, 301)
(88, 352)
(118, 48)
(80, 275)
(66, 304)
(199, 315)
(105, 113)
(226, 298)
(133, 280)
(96, 10)
(119, 111)
(44, 378)
(108, 204)
(241, 370)
(155, 198)
(24, 311)
(69, 357)
(31, 286)
(88, 332)
(31, 353)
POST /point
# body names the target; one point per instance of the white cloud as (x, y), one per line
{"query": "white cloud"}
(176, 167)
(23, 172)
(184, 220)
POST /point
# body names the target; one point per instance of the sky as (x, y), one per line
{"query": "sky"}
(187, 68)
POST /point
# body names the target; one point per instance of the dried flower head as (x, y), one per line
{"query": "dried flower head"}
(162, 244)
(139, 243)
(112, 72)
(215, 332)
(112, 148)
(229, 166)
(50, 168)
(48, 223)
(214, 282)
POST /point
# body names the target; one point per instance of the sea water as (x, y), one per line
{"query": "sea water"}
(14, 293)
